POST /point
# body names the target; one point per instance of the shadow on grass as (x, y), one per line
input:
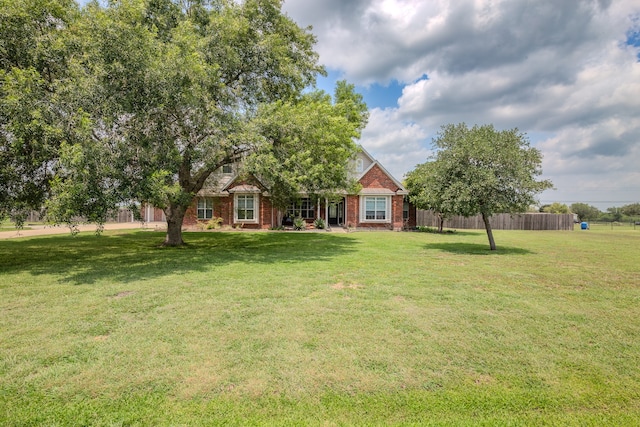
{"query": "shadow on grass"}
(476, 249)
(131, 256)
(448, 232)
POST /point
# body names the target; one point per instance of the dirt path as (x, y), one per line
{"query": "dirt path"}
(42, 230)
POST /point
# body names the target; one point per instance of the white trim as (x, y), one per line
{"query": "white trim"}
(376, 192)
(387, 212)
(401, 189)
(208, 206)
(256, 208)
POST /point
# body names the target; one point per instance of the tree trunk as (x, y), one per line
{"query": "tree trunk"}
(487, 226)
(175, 217)
(441, 226)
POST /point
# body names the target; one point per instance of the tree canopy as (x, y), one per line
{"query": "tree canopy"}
(631, 210)
(33, 67)
(426, 189)
(585, 212)
(479, 170)
(148, 97)
(556, 208)
(308, 143)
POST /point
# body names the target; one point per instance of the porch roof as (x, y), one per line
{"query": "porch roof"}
(244, 188)
(377, 192)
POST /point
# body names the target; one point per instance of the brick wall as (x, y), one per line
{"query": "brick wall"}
(376, 178)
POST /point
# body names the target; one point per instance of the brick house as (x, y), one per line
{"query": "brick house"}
(381, 203)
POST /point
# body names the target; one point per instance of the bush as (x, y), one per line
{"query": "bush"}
(299, 224)
(425, 229)
(214, 223)
(319, 223)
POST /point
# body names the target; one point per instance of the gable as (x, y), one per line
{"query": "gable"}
(244, 185)
(376, 177)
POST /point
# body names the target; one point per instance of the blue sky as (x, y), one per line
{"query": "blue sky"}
(565, 72)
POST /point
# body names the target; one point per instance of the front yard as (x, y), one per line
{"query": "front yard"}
(321, 329)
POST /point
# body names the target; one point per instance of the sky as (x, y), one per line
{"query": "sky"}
(567, 73)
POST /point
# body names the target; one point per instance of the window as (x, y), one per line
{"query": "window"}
(227, 169)
(246, 207)
(405, 210)
(302, 208)
(359, 165)
(376, 208)
(205, 208)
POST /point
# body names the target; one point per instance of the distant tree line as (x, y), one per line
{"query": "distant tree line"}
(586, 212)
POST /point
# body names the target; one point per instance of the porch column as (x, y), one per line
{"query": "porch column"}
(326, 212)
(346, 212)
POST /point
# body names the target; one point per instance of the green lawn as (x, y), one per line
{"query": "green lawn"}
(9, 226)
(243, 328)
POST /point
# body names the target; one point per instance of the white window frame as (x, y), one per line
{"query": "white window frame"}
(303, 207)
(256, 207)
(376, 200)
(359, 165)
(205, 204)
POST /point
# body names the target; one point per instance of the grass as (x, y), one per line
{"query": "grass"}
(10, 226)
(245, 328)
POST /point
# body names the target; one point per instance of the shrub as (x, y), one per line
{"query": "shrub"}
(299, 224)
(214, 223)
(319, 223)
(425, 229)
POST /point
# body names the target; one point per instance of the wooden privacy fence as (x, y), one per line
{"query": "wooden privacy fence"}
(526, 221)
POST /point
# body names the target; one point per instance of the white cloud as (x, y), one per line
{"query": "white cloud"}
(561, 69)
(394, 142)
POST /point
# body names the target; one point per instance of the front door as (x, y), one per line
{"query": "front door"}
(336, 213)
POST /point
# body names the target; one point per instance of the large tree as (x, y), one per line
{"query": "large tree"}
(33, 66)
(169, 92)
(481, 170)
(585, 212)
(308, 143)
(631, 210)
(426, 189)
(556, 208)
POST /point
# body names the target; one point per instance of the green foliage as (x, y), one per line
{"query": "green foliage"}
(169, 91)
(308, 143)
(319, 224)
(585, 212)
(299, 224)
(632, 210)
(556, 208)
(33, 120)
(478, 170)
(426, 186)
(426, 229)
(613, 214)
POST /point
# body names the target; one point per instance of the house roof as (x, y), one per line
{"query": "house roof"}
(376, 192)
(244, 188)
(374, 162)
